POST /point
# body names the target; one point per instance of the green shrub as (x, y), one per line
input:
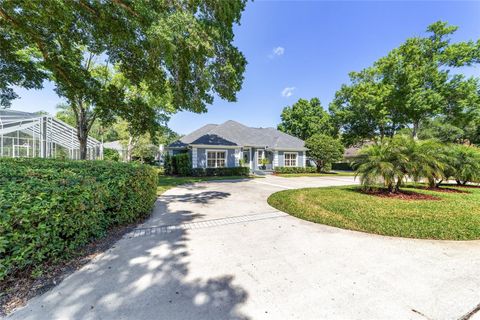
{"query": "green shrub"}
(111, 154)
(183, 164)
(234, 171)
(343, 166)
(167, 164)
(462, 163)
(283, 170)
(179, 163)
(49, 208)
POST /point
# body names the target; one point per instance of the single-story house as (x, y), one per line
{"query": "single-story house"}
(232, 144)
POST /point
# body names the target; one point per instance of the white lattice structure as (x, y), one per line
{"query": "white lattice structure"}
(24, 134)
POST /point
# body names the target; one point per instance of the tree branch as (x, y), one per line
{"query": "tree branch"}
(38, 42)
(126, 7)
(88, 7)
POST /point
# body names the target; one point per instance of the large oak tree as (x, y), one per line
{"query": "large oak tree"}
(414, 83)
(306, 118)
(174, 55)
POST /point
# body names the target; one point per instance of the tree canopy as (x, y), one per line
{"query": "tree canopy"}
(413, 84)
(324, 150)
(174, 55)
(306, 118)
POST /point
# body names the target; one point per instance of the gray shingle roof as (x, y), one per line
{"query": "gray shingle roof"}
(234, 133)
(116, 145)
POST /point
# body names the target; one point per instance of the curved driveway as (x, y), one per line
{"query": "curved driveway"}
(218, 251)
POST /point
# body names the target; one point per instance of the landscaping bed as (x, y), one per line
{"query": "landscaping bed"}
(18, 289)
(50, 209)
(451, 216)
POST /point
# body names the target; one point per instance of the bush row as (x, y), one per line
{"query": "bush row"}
(342, 166)
(49, 208)
(282, 170)
(181, 164)
(234, 171)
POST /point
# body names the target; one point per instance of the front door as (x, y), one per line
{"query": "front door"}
(246, 157)
(260, 156)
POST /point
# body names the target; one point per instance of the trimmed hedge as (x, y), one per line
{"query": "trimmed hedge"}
(234, 171)
(282, 170)
(179, 163)
(343, 166)
(183, 164)
(49, 208)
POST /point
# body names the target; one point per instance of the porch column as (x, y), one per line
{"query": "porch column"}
(251, 159)
(275, 159)
(304, 158)
(194, 157)
(237, 157)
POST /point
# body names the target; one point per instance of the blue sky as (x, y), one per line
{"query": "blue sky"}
(306, 49)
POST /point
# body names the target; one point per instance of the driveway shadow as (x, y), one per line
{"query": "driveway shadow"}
(202, 197)
(141, 278)
(162, 215)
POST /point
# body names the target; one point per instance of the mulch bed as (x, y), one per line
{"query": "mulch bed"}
(443, 189)
(17, 289)
(401, 195)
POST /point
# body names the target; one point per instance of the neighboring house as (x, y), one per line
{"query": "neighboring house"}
(117, 146)
(231, 144)
(352, 152)
(123, 152)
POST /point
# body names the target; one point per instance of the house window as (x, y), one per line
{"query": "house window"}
(216, 159)
(290, 159)
(260, 156)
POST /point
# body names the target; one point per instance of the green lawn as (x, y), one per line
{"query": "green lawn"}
(456, 216)
(322, 174)
(167, 182)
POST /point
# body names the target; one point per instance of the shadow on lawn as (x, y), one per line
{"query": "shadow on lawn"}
(144, 277)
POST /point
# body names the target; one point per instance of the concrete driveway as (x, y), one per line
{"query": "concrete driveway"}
(218, 251)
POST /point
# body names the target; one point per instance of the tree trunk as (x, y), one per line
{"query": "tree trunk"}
(390, 187)
(439, 183)
(130, 147)
(319, 166)
(415, 130)
(398, 184)
(82, 132)
(431, 183)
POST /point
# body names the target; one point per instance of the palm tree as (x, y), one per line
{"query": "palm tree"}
(392, 161)
(464, 164)
(427, 160)
(381, 163)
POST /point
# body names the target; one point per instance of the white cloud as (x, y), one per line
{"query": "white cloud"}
(278, 51)
(287, 92)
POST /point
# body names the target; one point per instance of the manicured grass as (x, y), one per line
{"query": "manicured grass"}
(455, 217)
(322, 174)
(167, 182)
